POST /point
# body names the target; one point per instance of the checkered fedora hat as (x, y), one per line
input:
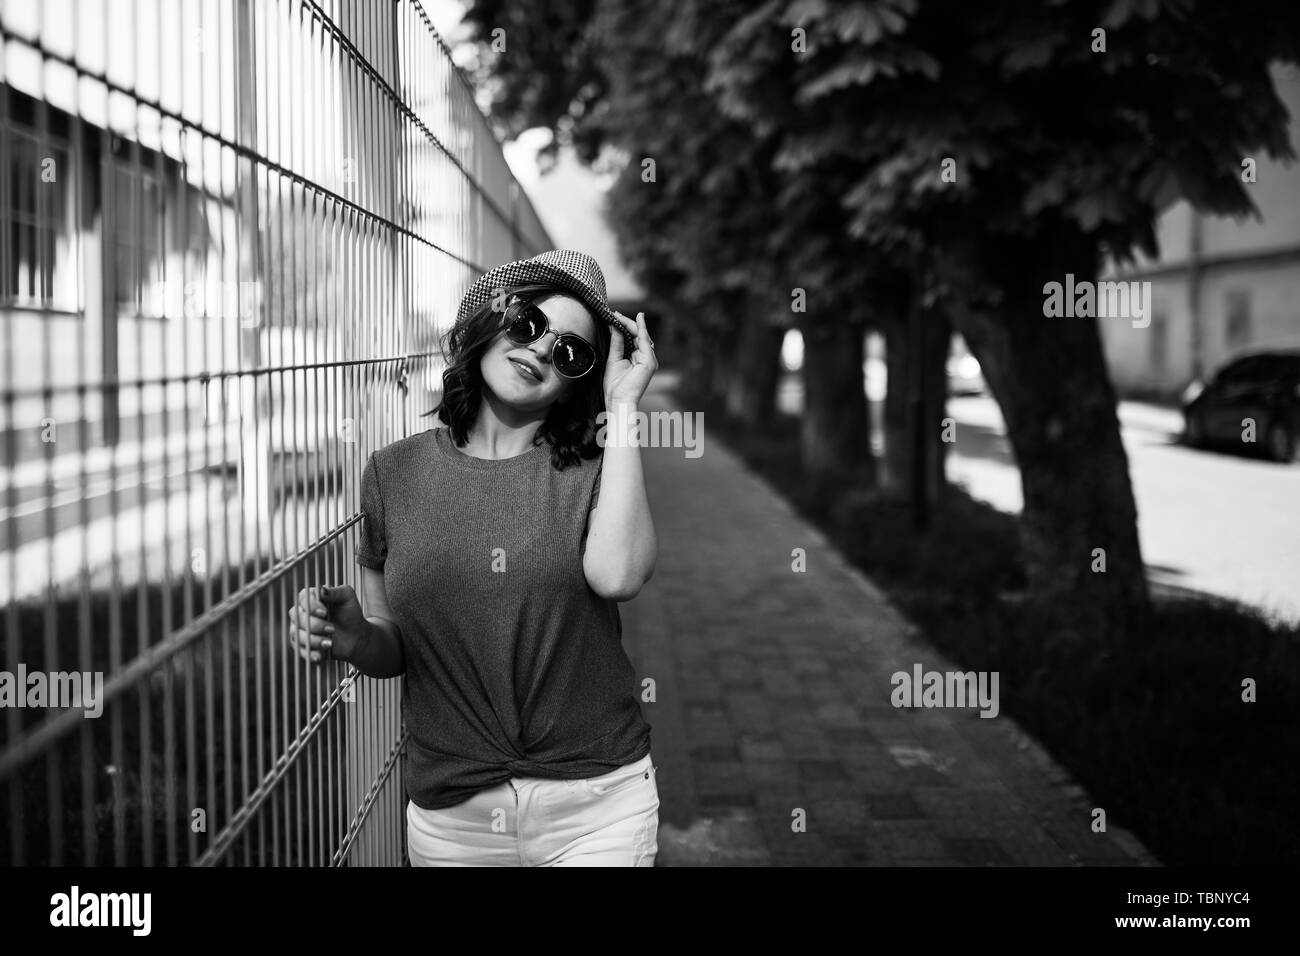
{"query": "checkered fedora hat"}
(573, 272)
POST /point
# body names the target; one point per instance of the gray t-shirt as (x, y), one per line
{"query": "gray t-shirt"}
(514, 666)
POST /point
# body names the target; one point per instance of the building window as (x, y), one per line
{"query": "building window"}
(37, 214)
(1236, 327)
(137, 240)
(1159, 344)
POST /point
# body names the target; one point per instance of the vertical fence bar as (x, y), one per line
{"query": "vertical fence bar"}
(36, 254)
(89, 772)
(13, 641)
(316, 423)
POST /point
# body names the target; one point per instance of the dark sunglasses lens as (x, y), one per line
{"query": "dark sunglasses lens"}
(573, 356)
(525, 324)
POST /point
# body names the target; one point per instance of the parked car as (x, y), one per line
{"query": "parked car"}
(1263, 387)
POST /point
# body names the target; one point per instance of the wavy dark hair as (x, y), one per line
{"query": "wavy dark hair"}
(570, 425)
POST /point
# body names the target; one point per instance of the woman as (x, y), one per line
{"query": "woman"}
(494, 552)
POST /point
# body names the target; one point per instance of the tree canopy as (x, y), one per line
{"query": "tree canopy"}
(872, 151)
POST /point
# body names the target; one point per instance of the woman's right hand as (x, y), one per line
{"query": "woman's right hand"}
(326, 613)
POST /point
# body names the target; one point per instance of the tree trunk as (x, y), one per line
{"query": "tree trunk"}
(698, 365)
(915, 404)
(834, 435)
(751, 394)
(934, 394)
(894, 465)
(723, 358)
(725, 367)
(1050, 378)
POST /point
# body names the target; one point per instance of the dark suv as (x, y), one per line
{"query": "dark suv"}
(1263, 386)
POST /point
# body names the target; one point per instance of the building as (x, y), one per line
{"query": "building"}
(1221, 287)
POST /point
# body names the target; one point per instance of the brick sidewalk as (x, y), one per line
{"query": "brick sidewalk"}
(772, 694)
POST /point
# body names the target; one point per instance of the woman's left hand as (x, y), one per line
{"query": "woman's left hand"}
(626, 378)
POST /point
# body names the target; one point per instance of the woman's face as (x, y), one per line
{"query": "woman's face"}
(503, 363)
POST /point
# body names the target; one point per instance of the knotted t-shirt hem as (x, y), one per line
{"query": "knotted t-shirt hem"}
(471, 776)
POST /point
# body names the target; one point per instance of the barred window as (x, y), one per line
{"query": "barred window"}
(136, 236)
(38, 216)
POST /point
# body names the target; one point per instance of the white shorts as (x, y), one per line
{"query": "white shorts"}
(609, 820)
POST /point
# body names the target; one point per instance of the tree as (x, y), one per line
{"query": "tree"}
(1006, 148)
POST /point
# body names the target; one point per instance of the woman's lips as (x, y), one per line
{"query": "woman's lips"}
(524, 370)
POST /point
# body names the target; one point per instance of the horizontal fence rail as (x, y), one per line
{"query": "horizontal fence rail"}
(231, 234)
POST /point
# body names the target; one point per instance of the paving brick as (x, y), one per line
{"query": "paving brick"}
(739, 797)
(719, 778)
(976, 852)
(987, 803)
(725, 752)
(853, 738)
(919, 775)
(702, 709)
(920, 861)
(798, 849)
(838, 715)
(782, 689)
(771, 773)
(1025, 843)
(1077, 838)
(893, 806)
(761, 748)
(818, 771)
(872, 769)
(709, 728)
(796, 717)
(805, 744)
(844, 817)
(905, 839)
(746, 701)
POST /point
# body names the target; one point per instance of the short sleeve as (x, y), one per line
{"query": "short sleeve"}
(372, 546)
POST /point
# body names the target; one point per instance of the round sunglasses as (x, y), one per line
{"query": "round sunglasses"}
(571, 355)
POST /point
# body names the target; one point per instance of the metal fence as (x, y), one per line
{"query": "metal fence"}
(230, 233)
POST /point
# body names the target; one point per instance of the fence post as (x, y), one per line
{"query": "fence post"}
(254, 399)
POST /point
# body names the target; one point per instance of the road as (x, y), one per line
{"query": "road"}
(1209, 521)
(1219, 523)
